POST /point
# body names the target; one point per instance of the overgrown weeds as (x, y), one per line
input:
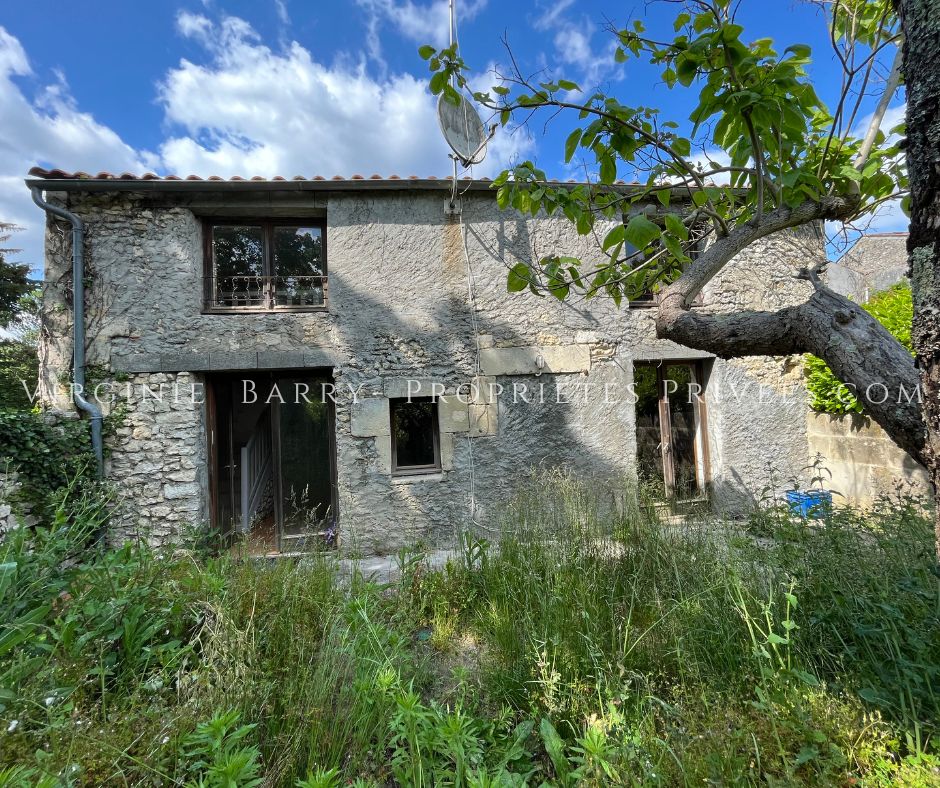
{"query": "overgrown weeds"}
(593, 644)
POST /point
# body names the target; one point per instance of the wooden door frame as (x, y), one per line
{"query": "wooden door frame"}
(269, 377)
(700, 414)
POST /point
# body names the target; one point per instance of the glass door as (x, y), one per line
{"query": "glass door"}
(303, 431)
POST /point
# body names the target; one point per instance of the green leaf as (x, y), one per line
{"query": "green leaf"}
(566, 84)
(614, 237)
(437, 82)
(519, 278)
(571, 144)
(703, 21)
(699, 197)
(682, 146)
(676, 227)
(555, 747)
(681, 21)
(686, 69)
(608, 173)
(664, 195)
(640, 231)
(426, 51)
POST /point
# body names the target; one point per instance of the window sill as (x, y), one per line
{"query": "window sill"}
(265, 310)
(422, 476)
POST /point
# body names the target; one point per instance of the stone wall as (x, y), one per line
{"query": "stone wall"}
(864, 462)
(414, 294)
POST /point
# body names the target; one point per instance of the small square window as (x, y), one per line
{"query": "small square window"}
(416, 446)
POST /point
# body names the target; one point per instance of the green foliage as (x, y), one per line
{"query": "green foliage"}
(755, 103)
(46, 456)
(14, 279)
(19, 363)
(894, 309)
(591, 646)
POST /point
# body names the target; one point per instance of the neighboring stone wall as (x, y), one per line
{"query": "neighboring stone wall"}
(864, 462)
(400, 308)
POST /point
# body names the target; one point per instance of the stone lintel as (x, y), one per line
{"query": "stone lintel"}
(535, 359)
(370, 417)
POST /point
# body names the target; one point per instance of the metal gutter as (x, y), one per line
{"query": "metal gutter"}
(78, 322)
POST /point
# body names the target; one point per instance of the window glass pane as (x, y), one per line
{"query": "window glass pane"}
(238, 265)
(298, 266)
(414, 424)
(649, 455)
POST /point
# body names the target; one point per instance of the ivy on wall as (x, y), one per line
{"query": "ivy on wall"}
(894, 310)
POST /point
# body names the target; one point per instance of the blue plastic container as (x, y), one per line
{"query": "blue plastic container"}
(812, 504)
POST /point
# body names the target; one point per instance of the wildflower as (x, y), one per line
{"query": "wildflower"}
(50, 700)
(14, 724)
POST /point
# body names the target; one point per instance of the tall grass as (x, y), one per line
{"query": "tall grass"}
(591, 644)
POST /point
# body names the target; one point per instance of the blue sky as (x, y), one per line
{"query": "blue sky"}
(288, 87)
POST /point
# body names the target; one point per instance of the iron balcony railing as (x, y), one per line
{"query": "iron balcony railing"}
(247, 292)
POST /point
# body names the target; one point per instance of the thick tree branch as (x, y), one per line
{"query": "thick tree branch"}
(680, 294)
(877, 368)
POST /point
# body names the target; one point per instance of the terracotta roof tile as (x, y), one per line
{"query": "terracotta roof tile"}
(63, 175)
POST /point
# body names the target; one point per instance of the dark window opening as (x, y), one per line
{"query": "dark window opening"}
(671, 428)
(647, 283)
(415, 437)
(265, 266)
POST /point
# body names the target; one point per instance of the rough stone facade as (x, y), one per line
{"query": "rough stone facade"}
(874, 263)
(414, 294)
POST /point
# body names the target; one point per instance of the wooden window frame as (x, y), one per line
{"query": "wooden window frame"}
(415, 470)
(700, 444)
(267, 226)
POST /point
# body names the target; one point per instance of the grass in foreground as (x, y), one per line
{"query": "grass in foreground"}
(587, 647)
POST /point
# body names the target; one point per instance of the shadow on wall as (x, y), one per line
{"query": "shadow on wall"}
(381, 514)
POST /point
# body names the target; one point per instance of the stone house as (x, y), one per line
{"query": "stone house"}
(340, 358)
(875, 262)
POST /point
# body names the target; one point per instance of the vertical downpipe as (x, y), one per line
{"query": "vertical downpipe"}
(78, 324)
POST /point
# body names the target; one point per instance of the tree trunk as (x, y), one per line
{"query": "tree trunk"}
(920, 22)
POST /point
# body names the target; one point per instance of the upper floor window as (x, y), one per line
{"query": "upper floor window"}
(272, 265)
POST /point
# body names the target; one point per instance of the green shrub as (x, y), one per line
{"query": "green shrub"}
(894, 310)
(45, 456)
(591, 645)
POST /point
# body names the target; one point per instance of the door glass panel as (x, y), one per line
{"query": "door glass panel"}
(681, 392)
(648, 432)
(305, 462)
(298, 266)
(238, 265)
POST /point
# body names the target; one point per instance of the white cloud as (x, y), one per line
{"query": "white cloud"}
(420, 23)
(252, 111)
(49, 130)
(893, 116)
(244, 109)
(573, 38)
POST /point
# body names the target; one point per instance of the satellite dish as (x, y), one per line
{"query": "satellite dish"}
(462, 129)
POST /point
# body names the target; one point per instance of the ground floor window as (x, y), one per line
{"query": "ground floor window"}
(273, 475)
(671, 430)
(415, 435)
